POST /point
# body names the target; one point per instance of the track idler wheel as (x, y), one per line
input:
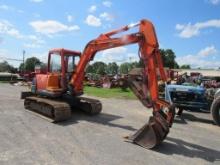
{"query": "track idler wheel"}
(152, 133)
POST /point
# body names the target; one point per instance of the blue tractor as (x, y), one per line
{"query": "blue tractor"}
(194, 98)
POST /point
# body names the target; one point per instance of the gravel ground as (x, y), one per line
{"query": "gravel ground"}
(28, 139)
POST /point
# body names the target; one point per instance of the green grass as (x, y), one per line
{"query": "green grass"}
(109, 93)
(4, 82)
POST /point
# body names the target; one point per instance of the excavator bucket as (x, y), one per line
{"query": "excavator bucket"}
(152, 133)
(157, 128)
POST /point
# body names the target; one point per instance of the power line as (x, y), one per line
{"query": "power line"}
(11, 59)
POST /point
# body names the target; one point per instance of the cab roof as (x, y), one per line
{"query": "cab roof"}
(65, 51)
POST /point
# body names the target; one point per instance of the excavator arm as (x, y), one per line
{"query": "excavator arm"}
(157, 128)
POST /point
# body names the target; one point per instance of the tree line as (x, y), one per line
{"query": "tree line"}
(167, 55)
(168, 58)
(29, 66)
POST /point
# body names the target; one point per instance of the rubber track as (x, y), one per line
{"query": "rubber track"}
(90, 106)
(54, 110)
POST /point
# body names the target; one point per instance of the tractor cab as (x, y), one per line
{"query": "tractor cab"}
(61, 66)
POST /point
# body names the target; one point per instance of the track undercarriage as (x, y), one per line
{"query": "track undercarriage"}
(60, 109)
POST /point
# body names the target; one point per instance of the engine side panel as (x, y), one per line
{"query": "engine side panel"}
(41, 81)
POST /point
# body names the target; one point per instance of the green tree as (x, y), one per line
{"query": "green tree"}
(168, 58)
(6, 67)
(21, 67)
(139, 64)
(125, 68)
(90, 69)
(112, 68)
(176, 66)
(29, 64)
(99, 68)
(185, 67)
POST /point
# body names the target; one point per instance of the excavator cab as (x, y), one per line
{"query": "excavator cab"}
(61, 66)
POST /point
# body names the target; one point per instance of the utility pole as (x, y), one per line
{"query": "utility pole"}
(23, 61)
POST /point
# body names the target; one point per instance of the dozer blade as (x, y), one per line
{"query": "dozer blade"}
(152, 133)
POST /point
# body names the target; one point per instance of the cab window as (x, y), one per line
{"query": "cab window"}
(72, 63)
(55, 63)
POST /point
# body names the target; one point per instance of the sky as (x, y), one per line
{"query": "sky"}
(191, 28)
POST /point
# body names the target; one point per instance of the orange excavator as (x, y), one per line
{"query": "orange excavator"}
(55, 94)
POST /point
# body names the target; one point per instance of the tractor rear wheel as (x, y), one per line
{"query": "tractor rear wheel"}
(215, 110)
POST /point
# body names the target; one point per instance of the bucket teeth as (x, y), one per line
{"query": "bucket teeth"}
(152, 133)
